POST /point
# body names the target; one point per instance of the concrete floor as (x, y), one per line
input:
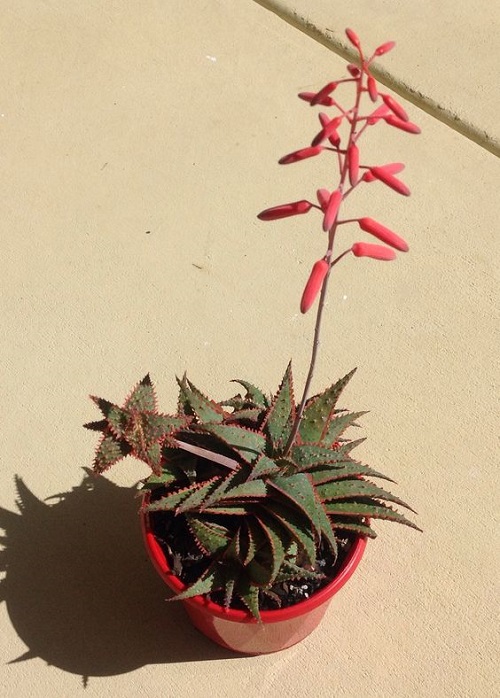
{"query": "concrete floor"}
(138, 140)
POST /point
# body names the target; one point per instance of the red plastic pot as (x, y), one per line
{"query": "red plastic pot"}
(240, 631)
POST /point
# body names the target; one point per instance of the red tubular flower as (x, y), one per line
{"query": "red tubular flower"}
(285, 210)
(407, 126)
(332, 209)
(330, 127)
(300, 155)
(372, 88)
(395, 107)
(353, 37)
(390, 180)
(379, 113)
(309, 96)
(323, 198)
(329, 130)
(353, 70)
(324, 92)
(365, 249)
(385, 48)
(313, 286)
(391, 168)
(353, 163)
(383, 234)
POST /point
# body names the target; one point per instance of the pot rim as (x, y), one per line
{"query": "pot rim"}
(274, 616)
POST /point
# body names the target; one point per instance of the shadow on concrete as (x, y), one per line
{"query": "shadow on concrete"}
(80, 590)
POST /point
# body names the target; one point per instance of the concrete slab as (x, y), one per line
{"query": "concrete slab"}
(138, 142)
(447, 56)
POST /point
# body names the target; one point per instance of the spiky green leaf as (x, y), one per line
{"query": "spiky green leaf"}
(227, 510)
(205, 409)
(372, 511)
(142, 397)
(356, 489)
(195, 500)
(280, 415)
(163, 479)
(320, 410)
(291, 571)
(212, 580)
(253, 489)
(264, 466)
(249, 594)
(298, 489)
(342, 470)
(250, 414)
(172, 500)
(249, 444)
(297, 526)
(109, 451)
(278, 539)
(211, 537)
(254, 395)
(338, 425)
(309, 456)
(354, 526)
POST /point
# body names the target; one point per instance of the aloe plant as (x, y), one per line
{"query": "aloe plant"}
(258, 513)
(263, 484)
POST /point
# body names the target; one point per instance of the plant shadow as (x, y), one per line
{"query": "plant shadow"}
(79, 587)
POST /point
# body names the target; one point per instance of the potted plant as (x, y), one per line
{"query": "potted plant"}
(255, 512)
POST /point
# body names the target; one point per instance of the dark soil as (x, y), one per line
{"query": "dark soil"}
(188, 563)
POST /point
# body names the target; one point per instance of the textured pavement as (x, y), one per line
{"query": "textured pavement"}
(138, 140)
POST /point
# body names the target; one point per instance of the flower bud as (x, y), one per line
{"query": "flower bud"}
(323, 198)
(329, 130)
(407, 126)
(285, 210)
(365, 249)
(379, 113)
(324, 92)
(309, 96)
(314, 283)
(353, 163)
(385, 48)
(383, 234)
(372, 88)
(330, 127)
(354, 70)
(353, 37)
(395, 107)
(332, 209)
(390, 180)
(300, 155)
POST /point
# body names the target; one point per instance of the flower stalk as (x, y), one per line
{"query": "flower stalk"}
(352, 171)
